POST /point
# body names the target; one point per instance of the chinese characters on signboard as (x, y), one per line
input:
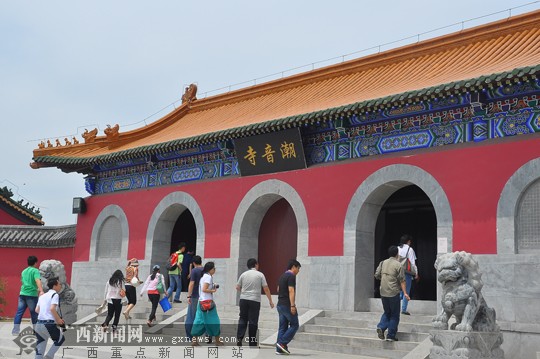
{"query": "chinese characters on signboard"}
(270, 152)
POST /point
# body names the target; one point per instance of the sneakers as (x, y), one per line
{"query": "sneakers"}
(380, 333)
(392, 339)
(283, 348)
(405, 312)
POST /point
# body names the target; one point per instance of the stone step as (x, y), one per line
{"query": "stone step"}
(423, 307)
(371, 324)
(351, 340)
(376, 316)
(387, 353)
(361, 332)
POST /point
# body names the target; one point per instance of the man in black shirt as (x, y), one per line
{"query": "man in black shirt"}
(286, 306)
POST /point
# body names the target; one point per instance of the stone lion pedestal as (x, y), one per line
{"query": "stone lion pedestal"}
(475, 334)
(466, 345)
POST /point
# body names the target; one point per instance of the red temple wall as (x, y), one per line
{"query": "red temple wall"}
(472, 176)
(7, 219)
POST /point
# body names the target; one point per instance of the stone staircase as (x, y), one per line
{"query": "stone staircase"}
(343, 333)
(354, 333)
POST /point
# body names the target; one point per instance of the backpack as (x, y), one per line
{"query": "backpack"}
(172, 263)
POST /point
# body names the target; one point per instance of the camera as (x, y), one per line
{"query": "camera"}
(216, 286)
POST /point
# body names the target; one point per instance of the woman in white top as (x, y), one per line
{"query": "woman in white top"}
(405, 250)
(154, 295)
(207, 321)
(114, 299)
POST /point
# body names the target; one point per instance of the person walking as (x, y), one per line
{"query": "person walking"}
(406, 251)
(249, 285)
(49, 318)
(207, 320)
(132, 280)
(193, 294)
(392, 276)
(175, 274)
(187, 264)
(31, 289)
(114, 292)
(153, 288)
(286, 307)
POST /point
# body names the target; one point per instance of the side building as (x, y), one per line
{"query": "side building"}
(438, 139)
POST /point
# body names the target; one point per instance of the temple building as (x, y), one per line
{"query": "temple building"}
(438, 139)
(23, 233)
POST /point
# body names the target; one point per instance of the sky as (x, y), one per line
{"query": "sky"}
(70, 65)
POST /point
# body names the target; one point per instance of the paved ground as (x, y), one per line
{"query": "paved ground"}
(10, 349)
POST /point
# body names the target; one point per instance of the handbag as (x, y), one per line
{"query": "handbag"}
(207, 305)
(134, 281)
(159, 286)
(406, 264)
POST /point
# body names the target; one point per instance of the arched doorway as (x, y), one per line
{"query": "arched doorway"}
(247, 224)
(361, 220)
(185, 231)
(166, 216)
(277, 241)
(409, 210)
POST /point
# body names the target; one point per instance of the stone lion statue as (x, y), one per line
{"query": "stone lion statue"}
(462, 297)
(51, 268)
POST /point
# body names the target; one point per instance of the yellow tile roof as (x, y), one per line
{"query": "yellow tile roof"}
(493, 48)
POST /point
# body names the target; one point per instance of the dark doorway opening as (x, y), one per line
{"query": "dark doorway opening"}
(409, 210)
(185, 231)
(277, 242)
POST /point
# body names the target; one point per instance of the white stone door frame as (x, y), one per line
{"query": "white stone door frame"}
(161, 225)
(246, 224)
(361, 219)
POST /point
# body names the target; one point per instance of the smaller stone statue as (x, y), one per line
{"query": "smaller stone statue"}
(49, 144)
(75, 141)
(51, 268)
(68, 142)
(475, 334)
(58, 144)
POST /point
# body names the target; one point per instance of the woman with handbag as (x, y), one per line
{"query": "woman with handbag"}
(114, 292)
(206, 318)
(154, 285)
(132, 281)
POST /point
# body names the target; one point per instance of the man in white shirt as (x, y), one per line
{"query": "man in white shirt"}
(406, 251)
(249, 285)
(48, 309)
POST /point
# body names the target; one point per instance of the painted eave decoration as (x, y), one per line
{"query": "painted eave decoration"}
(466, 62)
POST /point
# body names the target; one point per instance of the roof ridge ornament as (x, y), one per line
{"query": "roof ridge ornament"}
(112, 132)
(89, 136)
(189, 94)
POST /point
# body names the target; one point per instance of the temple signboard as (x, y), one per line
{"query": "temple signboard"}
(270, 152)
